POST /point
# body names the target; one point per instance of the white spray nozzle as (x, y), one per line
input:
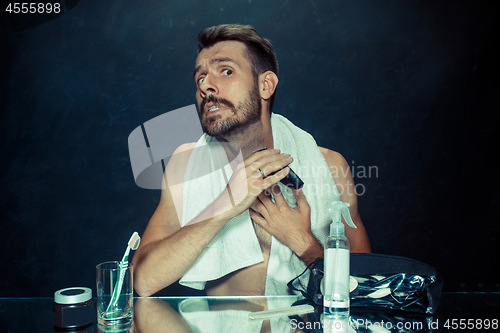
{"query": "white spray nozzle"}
(336, 209)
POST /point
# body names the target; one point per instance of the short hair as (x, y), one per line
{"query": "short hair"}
(260, 51)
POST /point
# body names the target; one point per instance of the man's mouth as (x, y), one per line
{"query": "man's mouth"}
(213, 108)
(211, 105)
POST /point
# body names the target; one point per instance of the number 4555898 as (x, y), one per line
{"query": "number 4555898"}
(471, 324)
(33, 7)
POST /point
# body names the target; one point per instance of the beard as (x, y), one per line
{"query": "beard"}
(248, 112)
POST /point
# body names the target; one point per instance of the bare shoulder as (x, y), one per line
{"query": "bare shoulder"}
(338, 167)
(167, 216)
(345, 184)
(185, 147)
(333, 158)
(181, 155)
(176, 165)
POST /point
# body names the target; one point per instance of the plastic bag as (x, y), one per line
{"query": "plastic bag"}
(383, 283)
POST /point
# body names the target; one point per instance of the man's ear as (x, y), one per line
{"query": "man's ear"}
(268, 81)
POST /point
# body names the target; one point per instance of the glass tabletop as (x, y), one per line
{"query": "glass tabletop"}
(457, 311)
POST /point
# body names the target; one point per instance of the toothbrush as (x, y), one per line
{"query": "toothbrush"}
(133, 243)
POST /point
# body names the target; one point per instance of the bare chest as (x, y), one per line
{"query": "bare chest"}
(250, 280)
(263, 236)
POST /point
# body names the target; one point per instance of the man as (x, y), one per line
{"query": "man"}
(236, 78)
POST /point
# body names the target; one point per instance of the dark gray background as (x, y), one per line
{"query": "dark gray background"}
(411, 87)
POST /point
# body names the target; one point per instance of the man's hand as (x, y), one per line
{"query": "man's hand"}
(245, 184)
(290, 226)
(255, 174)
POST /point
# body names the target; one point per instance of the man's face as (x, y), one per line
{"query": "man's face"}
(227, 96)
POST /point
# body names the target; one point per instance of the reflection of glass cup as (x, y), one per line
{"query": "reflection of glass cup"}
(114, 295)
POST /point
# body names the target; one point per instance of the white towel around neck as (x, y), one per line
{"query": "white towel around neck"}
(236, 246)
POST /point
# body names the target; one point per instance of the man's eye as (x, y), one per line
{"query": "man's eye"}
(200, 80)
(227, 72)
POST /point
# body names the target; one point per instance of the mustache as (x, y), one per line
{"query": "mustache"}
(215, 100)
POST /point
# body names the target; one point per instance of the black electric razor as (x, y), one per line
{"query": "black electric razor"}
(291, 180)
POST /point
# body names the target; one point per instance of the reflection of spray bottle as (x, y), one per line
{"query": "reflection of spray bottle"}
(336, 270)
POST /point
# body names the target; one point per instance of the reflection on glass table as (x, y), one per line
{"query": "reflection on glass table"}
(201, 314)
(232, 315)
(472, 311)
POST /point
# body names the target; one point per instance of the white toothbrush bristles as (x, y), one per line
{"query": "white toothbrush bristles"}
(134, 241)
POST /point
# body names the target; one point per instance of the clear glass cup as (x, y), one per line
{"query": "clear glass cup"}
(115, 303)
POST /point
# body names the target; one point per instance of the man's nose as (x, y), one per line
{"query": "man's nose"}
(208, 86)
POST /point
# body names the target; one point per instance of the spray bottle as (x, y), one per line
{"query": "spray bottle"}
(336, 264)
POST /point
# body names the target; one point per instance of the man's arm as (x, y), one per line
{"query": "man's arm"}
(345, 184)
(167, 251)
